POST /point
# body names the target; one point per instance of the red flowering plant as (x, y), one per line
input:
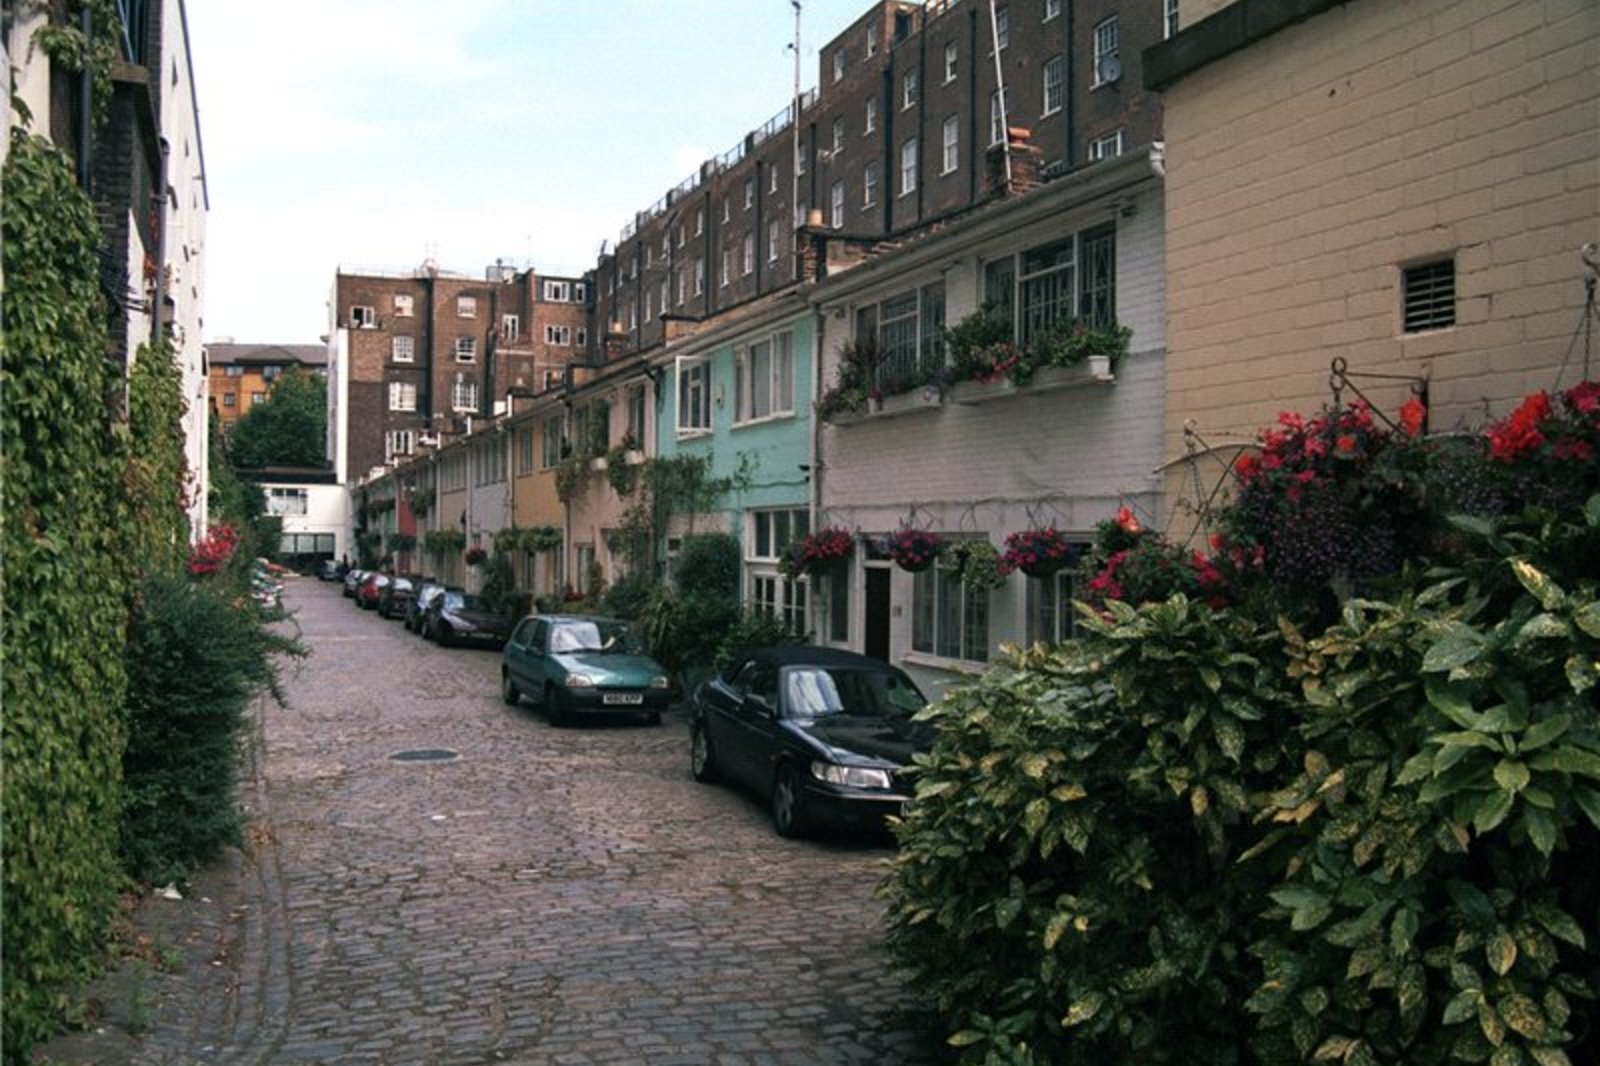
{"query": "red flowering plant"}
(1037, 552)
(1135, 565)
(1548, 450)
(476, 556)
(211, 553)
(817, 553)
(914, 549)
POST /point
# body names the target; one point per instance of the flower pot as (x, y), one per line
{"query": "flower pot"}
(911, 567)
(1100, 366)
(1043, 568)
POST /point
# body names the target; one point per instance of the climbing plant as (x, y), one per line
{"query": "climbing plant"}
(65, 593)
(156, 476)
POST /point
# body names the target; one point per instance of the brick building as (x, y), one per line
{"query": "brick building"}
(241, 375)
(425, 352)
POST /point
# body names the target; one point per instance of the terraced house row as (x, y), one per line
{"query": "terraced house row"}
(1009, 266)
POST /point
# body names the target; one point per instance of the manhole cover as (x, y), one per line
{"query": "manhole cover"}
(425, 755)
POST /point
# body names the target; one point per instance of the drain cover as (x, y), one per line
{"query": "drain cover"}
(425, 755)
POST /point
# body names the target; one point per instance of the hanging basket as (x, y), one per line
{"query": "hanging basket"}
(914, 550)
(1038, 553)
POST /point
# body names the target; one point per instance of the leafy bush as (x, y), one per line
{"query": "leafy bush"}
(755, 629)
(194, 660)
(627, 596)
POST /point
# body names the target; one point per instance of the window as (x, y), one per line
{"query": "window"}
(680, 236)
(234, 371)
(767, 534)
(951, 60)
(510, 328)
(1055, 84)
(1097, 300)
(524, 451)
(666, 246)
(908, 167)
(550, 442)
(1002, 27)
(402, 396)
(727, 268)
(1051, 618)
(398, 442)
(772, 242)
(836, 205)
(749, 193)
(466, 349)
(1107, 60)
(363, 317)
(464, 395)
(694, 396)
(1046, 286)
(635, 415)
(403, 349)
(799, 160)
(1052, 8)
(649, 257)
(666, 289)
(633, 315)
(749, 250)
(230, 399)
(908, 90)
(869, 184)
(1107, 147)
(952, 145)
(727, 209)
(837, 143)
(558, 335)
(699, 222)
(949, 618)
(909, 330)
(578, 293)
(678, 274)
(466, 307)
(580, 336)
(872, 45)
(1169, 17)
(871, 122)
(763, 378)
(838, 65)
(649, 306)
(402, 305)
(557, 292)
(287, 501)
(1073, 277)
(999, 115)
(1429, 298)
(586, 564)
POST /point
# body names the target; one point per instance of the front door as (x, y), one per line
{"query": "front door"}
(876, 622)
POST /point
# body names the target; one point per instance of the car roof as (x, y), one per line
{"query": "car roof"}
(812, 655)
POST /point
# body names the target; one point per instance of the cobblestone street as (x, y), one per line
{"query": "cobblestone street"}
(550, 896)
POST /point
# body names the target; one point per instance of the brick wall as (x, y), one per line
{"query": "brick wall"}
(1307, 170)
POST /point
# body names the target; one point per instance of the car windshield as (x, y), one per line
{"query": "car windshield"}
(570, 637)
(815, 692)
(458, 601)
(400, 584)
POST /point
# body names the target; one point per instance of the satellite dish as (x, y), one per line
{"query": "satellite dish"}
(1110, 69)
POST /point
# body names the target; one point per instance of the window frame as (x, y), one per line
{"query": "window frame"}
(952, 61)
(910, 89)
(1056, 65)
(910, 162)
(466, 349)
(1106, 45)
(466, 307)
(402, 396)
(462, 390)
(404, 305)
(931, 614)
(869, 183)
(692, 377)
(778, 372)
(405, 341)
(836, 196)
(950, 147)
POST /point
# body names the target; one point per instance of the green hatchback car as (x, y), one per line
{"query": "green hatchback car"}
(579, 665)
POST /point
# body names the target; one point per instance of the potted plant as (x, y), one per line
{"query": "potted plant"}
(1038, 552)
(914, 550)
(817, 553)
(476, 556)
(976, 563)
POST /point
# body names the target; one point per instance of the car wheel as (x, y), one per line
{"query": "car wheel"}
(442, 634)
(702, 760)
(508, 688)
(554, 706)
(788, 816)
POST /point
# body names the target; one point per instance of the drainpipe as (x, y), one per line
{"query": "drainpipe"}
(1072, 86)
(159, 197)
(85, 103)
(1000, 89)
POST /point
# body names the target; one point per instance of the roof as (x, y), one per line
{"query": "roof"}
(261, 354)
(811, 655)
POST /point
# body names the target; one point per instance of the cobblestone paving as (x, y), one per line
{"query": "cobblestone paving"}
(551, 896)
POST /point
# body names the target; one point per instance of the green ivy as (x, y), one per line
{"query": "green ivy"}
(65, 591)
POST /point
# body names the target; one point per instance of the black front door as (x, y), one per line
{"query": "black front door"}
(876, 643)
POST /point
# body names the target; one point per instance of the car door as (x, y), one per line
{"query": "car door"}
(516, 653)
(534, 655)
(751, 726)
(719, 701)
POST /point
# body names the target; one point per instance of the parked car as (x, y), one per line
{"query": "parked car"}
(328, 570)
(417, 607)
(370, 589)
(394, 597)
(826, 734)
(352, 581)
(577, 665)
(460, 617)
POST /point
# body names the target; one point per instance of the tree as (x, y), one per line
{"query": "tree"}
(289, 429)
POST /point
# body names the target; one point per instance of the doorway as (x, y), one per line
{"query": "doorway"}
(875, 641)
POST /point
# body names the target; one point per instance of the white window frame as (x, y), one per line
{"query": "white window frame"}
(772, 241)
(952, 62)
(466, 307)
(749, 253)
(510, 328)
(403, 305)
(870, 124)
(1169, 19)
(749, 193)
(1002, 24)
(872, 44)
(1107, 45)
(402, 396)
(550, 439)
(1055, 84)
(1108, 146)
(363, 317)
(403, 348)
(930, 591)
(910, 85)
(950, 155)
(463, 396)
(580, 337)
(287, 501)
(700, 276)
(727, 268)
(909, 160)
(869, 184)
(836, 205)
(466, 349)
(767, 531)
(693, 392)
(763, 379)
(558, 335)
(837, 143)
(772, 177)
(699, 222)
(1051, 617)
(838, 65)
(398, 442)
(557, 292)
(1052, 8)
(999, 115)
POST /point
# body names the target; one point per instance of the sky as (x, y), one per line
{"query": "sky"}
(375, 133)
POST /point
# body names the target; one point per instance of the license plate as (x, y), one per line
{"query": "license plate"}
(626, 699)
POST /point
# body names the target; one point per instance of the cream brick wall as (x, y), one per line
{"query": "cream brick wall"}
(1306, 171)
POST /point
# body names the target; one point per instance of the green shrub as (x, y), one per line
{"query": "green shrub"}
(194, 661)
(708, 565)
(755, 629)
(627, 596)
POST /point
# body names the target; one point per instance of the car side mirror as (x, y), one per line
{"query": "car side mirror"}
(760, 704)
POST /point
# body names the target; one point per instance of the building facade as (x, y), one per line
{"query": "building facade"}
(239, 376)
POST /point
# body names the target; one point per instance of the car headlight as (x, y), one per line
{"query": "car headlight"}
(581, 681)
(854, 776)
(660, 682)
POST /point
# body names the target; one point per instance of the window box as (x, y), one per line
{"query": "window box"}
(1096, 370)
(598, 464)
(914, 402)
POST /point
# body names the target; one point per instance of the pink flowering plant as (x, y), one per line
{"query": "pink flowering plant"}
(817, 553)
(476, 556)
(914, 549)
(211, 554)
(1037, 552)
